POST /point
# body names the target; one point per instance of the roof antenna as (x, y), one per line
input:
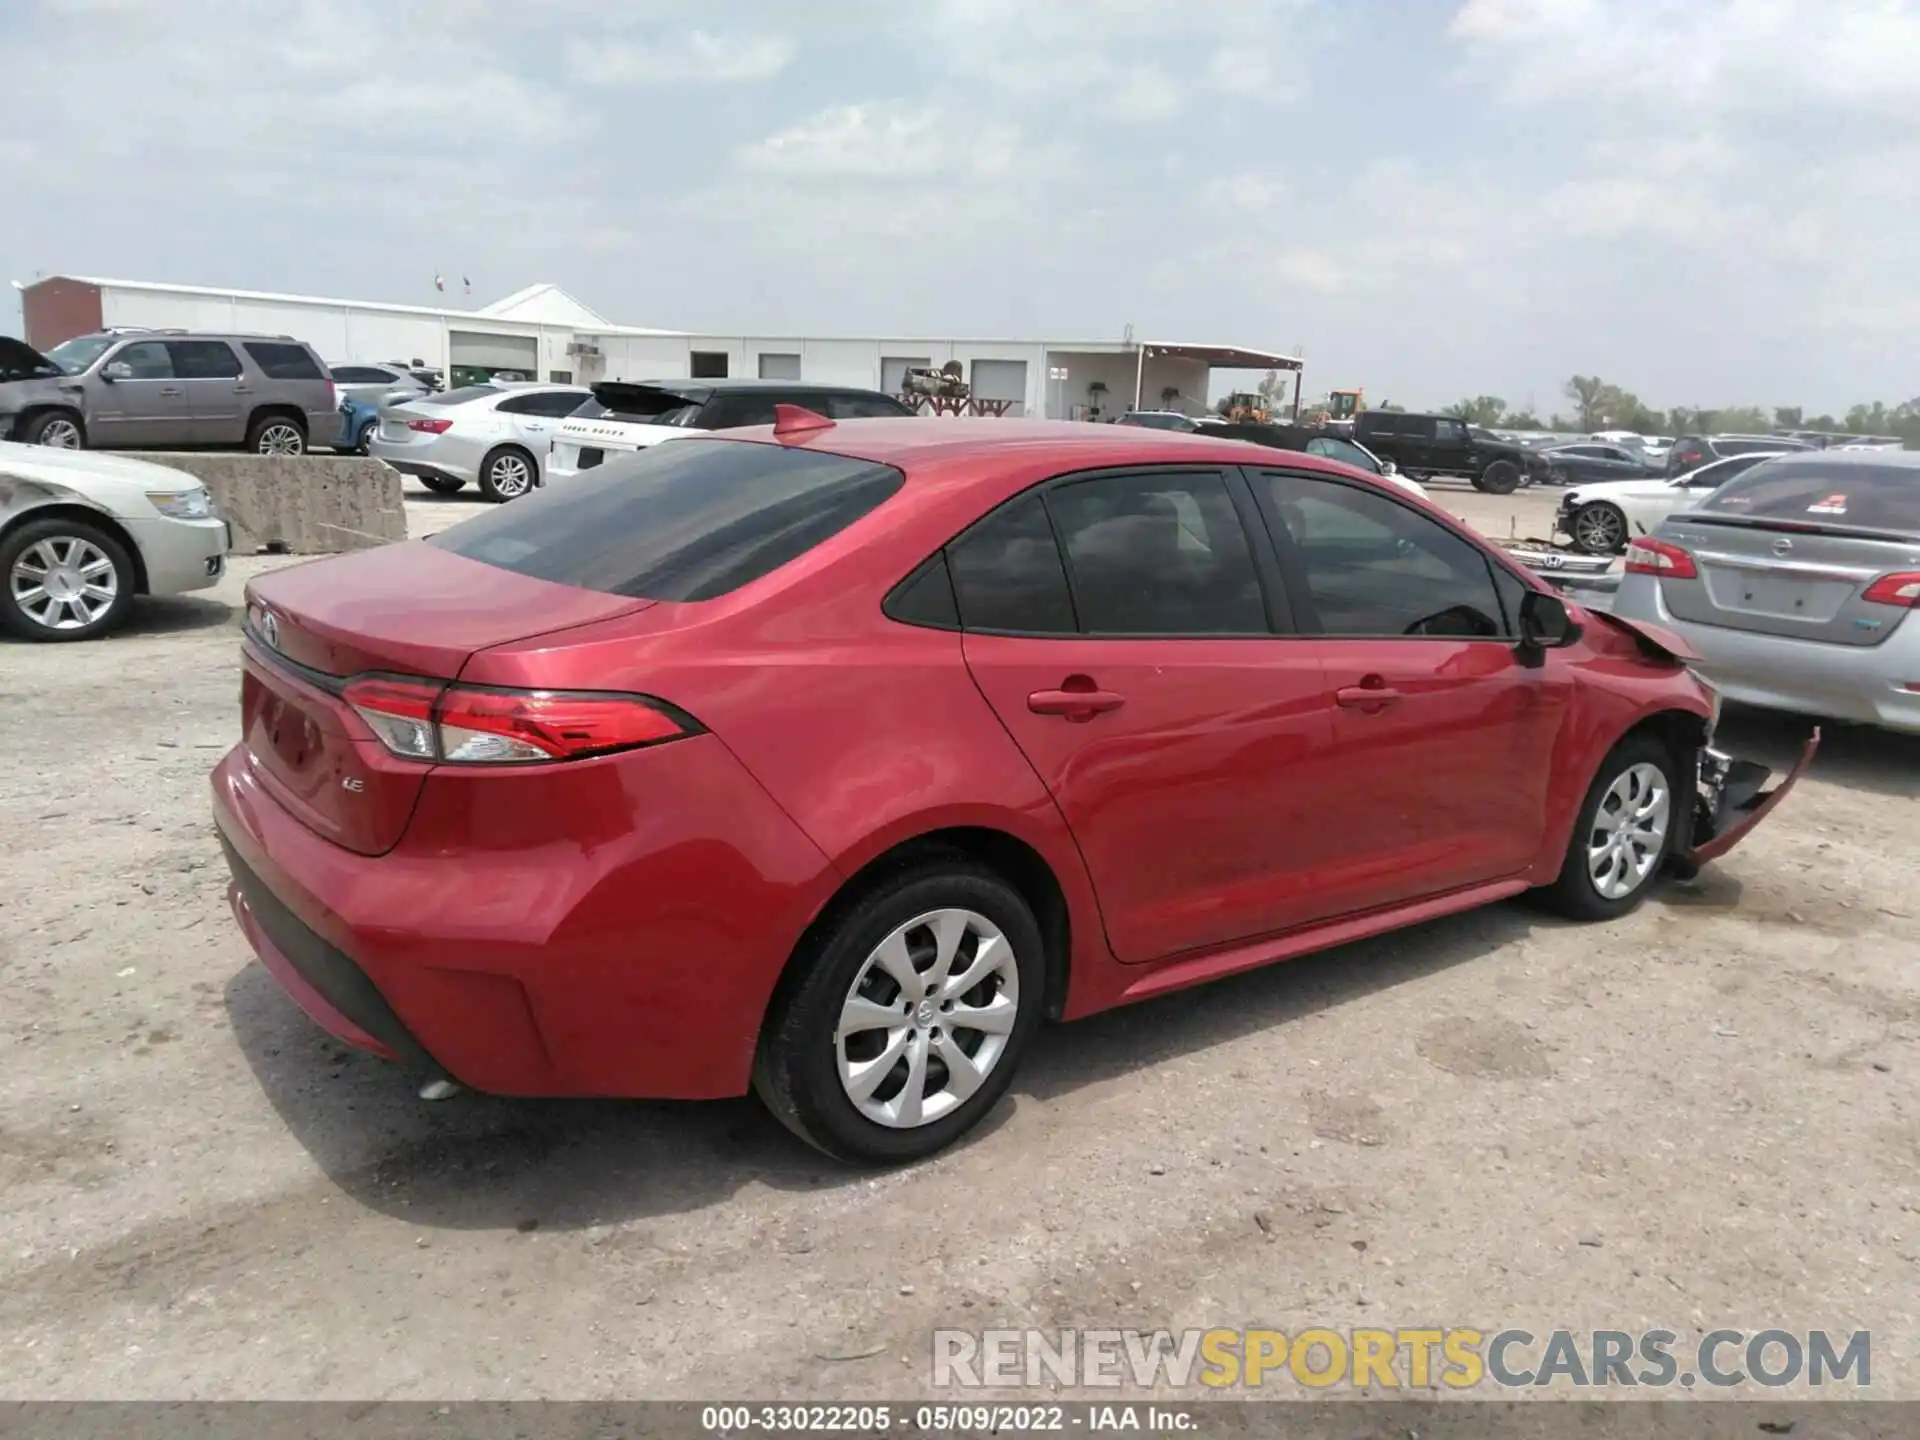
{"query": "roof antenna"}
(797, 420)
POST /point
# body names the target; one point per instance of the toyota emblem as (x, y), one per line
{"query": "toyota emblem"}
(270, 629)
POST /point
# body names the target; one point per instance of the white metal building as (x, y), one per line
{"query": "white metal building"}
(544, 331)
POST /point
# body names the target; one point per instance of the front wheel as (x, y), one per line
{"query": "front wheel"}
(1623, 833)
(64, 580)
(1599, 528)
(507, 474)
(912, 1012)
(56, 431)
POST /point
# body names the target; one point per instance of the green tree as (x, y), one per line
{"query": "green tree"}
(1486, 410)
(1869, 419)
(1788, 417)
(1742, 420)
(1593, 400)
(1389, 405)
(1524, 420)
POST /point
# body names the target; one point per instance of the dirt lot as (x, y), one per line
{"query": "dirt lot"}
(1703, 1115)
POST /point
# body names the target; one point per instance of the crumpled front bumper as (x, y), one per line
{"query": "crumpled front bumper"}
(1730, 799)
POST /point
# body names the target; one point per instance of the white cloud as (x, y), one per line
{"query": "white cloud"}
(887, 139)
(692, 57)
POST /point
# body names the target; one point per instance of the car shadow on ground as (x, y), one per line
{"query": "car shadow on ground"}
(156, 615)
(480, 1162)
(1860, 757)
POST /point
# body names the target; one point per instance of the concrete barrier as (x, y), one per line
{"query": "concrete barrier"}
(300, 504)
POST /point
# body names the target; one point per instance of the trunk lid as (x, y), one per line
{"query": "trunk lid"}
(1786, 579)
(409, 609)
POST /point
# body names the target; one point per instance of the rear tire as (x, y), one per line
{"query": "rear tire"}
(276, 435)
(507, 474)
(63, 580)
(56, 430)
(810, 1063)
(1502, 477)
(1623, 834)
(442, 484)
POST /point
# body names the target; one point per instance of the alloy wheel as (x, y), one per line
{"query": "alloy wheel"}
(512, 476)
(1600, 529)
(64, 582)
(281, 439)
(927, 1019)
(60, 434)
(1629, 831)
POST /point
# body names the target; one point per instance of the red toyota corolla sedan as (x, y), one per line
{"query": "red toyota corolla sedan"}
(826, 760)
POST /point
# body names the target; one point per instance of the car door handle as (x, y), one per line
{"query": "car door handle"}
(243, 389)
(171, 390)
(1074, 704)
(1376, 696)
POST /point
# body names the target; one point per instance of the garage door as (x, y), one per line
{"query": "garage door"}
(494, 352)
(1001, 380)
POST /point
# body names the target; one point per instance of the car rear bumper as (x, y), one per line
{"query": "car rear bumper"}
(533, 933)
(1865, 683)
(434, 455)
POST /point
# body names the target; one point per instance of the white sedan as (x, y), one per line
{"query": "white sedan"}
(1602, 518)
(82, 533)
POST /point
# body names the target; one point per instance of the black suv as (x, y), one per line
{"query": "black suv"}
(1427, 445)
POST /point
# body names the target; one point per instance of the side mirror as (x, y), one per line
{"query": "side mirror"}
(118, 370)
(1387, 467)
(1544, 625)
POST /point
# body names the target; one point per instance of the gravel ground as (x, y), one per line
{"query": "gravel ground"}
(1702, 1115)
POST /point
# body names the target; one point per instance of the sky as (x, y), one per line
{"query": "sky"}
(1709, 202)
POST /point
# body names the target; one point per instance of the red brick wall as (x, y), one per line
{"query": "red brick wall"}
(59, 309)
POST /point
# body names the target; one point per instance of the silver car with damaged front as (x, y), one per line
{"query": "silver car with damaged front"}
(1795, 584)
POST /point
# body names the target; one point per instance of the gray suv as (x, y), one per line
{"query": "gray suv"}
(173, 389)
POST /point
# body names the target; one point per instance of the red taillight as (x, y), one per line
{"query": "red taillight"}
(464, 725)
(1902, 589)
(431, 427)
(1647, 556)
(333, 396)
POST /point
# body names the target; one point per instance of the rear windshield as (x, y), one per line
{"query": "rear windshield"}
(688, 520)
(1873, 497)
(458, 397)
(638, 404)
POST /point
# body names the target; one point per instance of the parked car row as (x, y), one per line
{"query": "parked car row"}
(508, 440)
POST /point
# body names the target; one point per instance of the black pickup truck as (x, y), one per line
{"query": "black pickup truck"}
(1428, 445)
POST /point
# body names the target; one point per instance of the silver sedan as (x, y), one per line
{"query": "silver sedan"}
(1796, 585)
(494, 436)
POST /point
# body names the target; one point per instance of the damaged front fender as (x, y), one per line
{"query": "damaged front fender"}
(1730, 800)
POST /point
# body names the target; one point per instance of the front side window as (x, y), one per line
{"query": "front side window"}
(148, 359)
(1374, 567)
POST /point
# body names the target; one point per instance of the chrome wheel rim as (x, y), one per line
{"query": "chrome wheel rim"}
(928, 1018)
(64, 582)
(1599, 528)
(281, 439)
(512, 476)
(61, 435)
(1629, 831)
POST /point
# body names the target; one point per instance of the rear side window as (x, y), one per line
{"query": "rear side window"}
(284, 362)
(550, 403)
(730, 412)
(458, 397)
(204, 360)
(1007, 573)
(1874, 497)
(1158, 555)
(362, 375)
(682, 522)
(147, 359)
